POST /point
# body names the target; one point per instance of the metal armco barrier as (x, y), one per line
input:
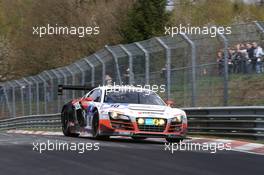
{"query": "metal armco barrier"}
(246, 122)
(47, 122)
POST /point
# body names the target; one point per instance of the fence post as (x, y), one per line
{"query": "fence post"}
(30, 95)
(57, 77)
(2, 103)
(51, 84)
(103, 65)
(22, 96)
(45, 92)
(116, 63)
(48, 74)
(73, 79)
(13, 99)
(37, 92)
(226, 97)
(130, 57)
(259, 26)
(146, 61)
(7, 101)
(193, 58)
(65, 81)
(168, 65)
(93, 70)
(82, 72)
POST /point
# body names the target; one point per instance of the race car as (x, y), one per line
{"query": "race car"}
(124, 111)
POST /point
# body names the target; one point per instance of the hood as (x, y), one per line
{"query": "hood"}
(143, 109)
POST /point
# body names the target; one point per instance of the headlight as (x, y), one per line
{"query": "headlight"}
(161, 122)
(117, 115)
(113, 115)
(141, 121)
(177, 119)
(156, 122)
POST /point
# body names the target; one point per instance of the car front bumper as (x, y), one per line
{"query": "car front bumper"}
(107, 129)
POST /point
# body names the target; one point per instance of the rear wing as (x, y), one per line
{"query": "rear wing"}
(73, 87)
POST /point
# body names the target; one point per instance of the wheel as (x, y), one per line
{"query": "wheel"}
(95, 127)
(64, 121)
(174, 140)
(81, 117)
(95, 124)
(138, 138)
(65, 124)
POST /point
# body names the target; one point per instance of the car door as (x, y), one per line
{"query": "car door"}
(96, 95)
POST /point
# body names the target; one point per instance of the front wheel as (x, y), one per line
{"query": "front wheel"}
(174, 140)
(95, 127)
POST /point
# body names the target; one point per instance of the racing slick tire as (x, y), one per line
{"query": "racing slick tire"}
(174, 140)
(65, 123)
(95, 127)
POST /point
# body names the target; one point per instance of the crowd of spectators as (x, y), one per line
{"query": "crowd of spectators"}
(242, 58)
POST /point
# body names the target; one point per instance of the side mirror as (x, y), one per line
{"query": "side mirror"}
(88, 99)
(170, 103)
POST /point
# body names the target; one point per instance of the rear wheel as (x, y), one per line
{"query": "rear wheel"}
(65, 124)
(174, 140)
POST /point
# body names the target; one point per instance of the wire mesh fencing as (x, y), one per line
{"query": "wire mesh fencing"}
(185, 64)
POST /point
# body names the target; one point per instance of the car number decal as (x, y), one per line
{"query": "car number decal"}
(115, 106)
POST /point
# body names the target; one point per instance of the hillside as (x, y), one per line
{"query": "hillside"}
(244, 90)
(24, 54)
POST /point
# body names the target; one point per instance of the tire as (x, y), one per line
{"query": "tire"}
(95, 127)
(174, 140)
(81, 117)
(65, 123)
(139, 138)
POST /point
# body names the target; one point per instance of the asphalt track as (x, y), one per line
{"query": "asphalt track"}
(118, 157)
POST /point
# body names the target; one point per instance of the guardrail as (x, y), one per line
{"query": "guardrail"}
(45, 121)
(246, 122)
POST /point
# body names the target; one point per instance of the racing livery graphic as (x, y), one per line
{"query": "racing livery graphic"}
(127, 111)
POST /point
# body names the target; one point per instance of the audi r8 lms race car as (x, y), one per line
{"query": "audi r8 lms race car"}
(134, 112)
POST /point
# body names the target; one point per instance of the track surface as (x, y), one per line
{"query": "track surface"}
(118, 157)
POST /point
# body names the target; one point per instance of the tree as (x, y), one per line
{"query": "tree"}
(29, 54)
(6, 70)
(145, 20)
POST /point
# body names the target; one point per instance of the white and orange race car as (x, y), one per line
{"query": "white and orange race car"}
(125, 111)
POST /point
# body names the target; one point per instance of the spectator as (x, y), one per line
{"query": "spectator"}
(127, 77)
(164, 73)
(258, 54)
(220, 61)
(243, 59)
(108, 80)
(1, 91)
(251, 63)
(231, 66)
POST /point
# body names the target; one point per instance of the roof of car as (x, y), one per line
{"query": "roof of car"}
(123, 87)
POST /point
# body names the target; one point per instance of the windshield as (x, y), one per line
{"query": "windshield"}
(145, 97)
